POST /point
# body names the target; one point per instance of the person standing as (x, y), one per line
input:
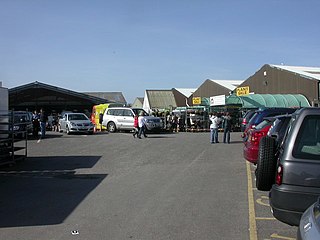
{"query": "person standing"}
(142, 125)
(43, 122)
(100, 120)
(226, 124)
(35, 123)
(135, 126)
(214, 128)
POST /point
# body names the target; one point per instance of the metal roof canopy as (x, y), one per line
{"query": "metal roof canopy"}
(39, 95)
(268, 100)
(161, 99)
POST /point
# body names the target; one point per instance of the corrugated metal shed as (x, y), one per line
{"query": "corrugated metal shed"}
(268, 100)
(210, 88)
(161, 98)
(38, 95)
(281, 79)
(187, 92)
(116, 97)
(229, 84)
(311, 72)
(138, 102)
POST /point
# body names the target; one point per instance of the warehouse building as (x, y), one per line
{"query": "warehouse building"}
(281, 79)
(36, 95)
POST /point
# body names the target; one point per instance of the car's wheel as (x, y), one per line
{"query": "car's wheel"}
(266, 164)
(112, 127)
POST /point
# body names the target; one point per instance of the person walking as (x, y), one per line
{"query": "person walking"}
(135, 126)
(43, 122)
(142, 125)
(226, 124)
(214, 128)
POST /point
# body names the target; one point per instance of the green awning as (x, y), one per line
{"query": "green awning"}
(268, 100)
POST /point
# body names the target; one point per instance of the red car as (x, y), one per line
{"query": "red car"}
(251, 146)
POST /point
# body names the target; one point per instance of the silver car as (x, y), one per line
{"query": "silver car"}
(121, 118)
(75, 123)
(309, 227)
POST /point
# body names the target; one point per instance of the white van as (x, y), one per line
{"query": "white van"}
(121, 118)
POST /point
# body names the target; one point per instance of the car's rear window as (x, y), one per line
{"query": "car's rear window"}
(307, 144)
(263, 124)
(279, 125)
(248, 116)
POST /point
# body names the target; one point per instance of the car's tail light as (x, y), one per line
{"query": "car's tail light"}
(255, 136)
(244, 121)
(279, 174)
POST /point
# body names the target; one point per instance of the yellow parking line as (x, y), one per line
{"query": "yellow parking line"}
(265, 218)
(252, 214)
(275, 235)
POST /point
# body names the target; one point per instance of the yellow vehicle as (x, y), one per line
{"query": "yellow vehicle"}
(97, 114)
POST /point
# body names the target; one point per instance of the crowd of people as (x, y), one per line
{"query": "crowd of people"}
(41, 122)
(218, 121)
(173, 122)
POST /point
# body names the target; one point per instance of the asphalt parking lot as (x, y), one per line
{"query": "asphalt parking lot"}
(112, 186)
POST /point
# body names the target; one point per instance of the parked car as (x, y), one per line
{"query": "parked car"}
(261, 114)
(121, 118)
(297, 181)
(309, 226)
(22, 123)
(251, 146)
(97, 113)
(76, 123)
(246, 118)
(269, 151)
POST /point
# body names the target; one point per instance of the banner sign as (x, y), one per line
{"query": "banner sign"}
(196, 100)
(218, 100)
(241, 91)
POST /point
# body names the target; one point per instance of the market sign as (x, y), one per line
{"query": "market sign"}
(241, 91)
(196, 100)
(218, 100)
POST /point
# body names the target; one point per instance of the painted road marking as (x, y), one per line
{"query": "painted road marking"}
(275, 235)
(252, 214)
(265, 218)
(262, 199)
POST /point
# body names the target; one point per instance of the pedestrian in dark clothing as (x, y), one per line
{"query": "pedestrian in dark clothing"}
(43, 122)
(35, 123)
(226, 124)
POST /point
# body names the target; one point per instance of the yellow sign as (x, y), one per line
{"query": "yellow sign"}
(196, 100)
(242, 91)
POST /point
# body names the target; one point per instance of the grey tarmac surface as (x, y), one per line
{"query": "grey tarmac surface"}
(112, 186)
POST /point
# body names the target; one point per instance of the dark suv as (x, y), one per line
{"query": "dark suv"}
(261, 114)
(297, 180)
(22, 123)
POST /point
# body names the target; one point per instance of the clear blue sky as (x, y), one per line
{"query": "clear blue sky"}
(133, 45)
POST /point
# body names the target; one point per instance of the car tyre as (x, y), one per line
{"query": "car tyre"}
(266, 164)
(112, 127)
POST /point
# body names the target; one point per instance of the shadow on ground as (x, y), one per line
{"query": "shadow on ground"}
(45, 190)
